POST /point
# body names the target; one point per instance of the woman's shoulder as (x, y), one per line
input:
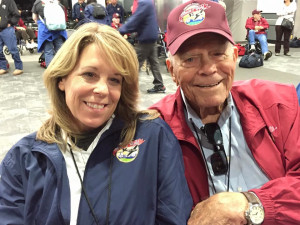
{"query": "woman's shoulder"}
(153, 126)
(21, 149)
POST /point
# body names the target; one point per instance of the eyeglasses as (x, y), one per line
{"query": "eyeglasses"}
(219, 161)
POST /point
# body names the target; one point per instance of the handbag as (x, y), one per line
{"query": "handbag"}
(241, 49)
(287, 24)
(252, 60)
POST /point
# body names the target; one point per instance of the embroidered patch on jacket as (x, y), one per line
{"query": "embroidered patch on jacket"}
(193, 14)
(129, 153)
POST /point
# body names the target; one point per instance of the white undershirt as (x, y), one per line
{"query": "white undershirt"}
(81, 158)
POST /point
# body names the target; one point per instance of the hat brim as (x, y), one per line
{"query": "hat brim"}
(175, 45)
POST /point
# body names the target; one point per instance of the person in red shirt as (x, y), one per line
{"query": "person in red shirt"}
(257, 26)
(116, 21)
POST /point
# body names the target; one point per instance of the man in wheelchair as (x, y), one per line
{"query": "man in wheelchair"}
(257, 30)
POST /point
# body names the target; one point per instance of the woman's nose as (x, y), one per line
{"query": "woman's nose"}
(101, 87)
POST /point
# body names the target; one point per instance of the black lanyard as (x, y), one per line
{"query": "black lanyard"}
(204, 158)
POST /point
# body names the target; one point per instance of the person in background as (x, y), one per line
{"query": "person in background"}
(97, 159)
(90, 16)
(25, 33)
(78, 10)
(240, 140)
(287, 11)
(113, 7)
(256, 27)
(9, 17)
(48, 41)
(116, 21)
(144, 22)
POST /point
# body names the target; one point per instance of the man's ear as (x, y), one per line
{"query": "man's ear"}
(171, 70)
(235, 53)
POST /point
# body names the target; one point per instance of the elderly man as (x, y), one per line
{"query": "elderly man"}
(240, 140)
(256, 26)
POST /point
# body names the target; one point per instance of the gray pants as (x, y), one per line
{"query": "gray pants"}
(148, 51)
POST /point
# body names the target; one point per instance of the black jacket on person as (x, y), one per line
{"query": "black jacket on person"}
(9, 14)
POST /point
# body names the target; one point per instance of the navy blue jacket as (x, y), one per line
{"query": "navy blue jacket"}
(143, 21)
(115, 9)
(150, 189)
(88, 14)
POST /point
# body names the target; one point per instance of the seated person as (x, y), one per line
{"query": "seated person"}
(26, 34)
(78, 10)
(115, 21)
(256, 26)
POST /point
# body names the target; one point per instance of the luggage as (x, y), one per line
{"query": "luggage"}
(295, 43)
(252, 60)
(241, 49)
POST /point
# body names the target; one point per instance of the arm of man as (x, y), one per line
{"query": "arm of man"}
(136, 20)
(249, 24)
(34, 17)
(264, 24)
(281, 195)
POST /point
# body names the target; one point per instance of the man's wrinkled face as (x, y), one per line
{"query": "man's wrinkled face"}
(204, 68)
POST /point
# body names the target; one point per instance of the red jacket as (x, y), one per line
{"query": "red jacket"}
(250, 24)
(270, 118)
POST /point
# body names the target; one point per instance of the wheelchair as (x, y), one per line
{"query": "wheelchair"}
(256, 45)
(21, 45)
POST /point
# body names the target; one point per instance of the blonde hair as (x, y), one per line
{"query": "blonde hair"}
(121, 56)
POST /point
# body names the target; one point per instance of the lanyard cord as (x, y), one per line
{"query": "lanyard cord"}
(202, 151)
(83, 189)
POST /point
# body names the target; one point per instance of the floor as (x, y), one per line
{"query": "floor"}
(24, 101)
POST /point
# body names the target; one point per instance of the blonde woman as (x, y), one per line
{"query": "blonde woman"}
(97, 159)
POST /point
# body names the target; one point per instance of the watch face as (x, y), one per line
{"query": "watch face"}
(256, 214)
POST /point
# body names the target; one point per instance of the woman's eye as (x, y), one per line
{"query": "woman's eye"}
(88, 74)
(115, 80)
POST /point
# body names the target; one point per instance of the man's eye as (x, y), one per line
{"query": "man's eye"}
(190, 59)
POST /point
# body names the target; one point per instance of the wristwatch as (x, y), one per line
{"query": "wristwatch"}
(255, 213)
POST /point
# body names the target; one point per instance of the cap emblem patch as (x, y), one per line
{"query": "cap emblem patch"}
(193, 14)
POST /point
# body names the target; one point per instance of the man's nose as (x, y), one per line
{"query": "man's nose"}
(207, 65)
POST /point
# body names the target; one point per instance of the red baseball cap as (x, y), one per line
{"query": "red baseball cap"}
(116, 15)
(255, 11)
(195, 17)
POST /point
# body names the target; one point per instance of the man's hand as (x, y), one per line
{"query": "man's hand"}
(226, 208)
(259, 28)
